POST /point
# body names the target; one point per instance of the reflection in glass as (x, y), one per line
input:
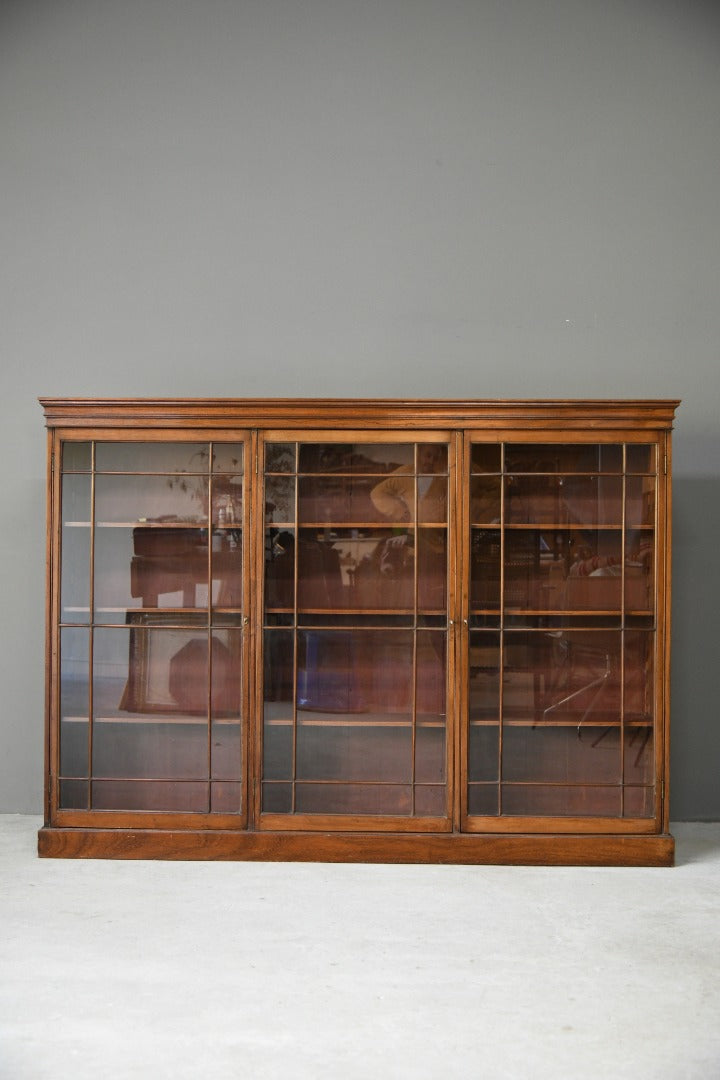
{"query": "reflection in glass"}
(280, 457)
(279, 569)
(113, 665)
(639, 676)
(640, 496)
(148, 568)
(564, 500)
(227, 502)
(483, 752)
(563, 458)
(584, 800)
(430, 800)
(151, 691)
(369, 458)
(483, 800)
(277, 798)
(151, 500)
(570, 678)
(485, 500)
(486, 458)
(557, 754)
(353, 799)
(639, 802)
(484, 715)
(432, 458)
(431, 664)
(432, 497)
(278, 709)
(74, 701)
(432, 569)
(485, 569)
(279, 499)
(155, 795)
(227, 583)
(225, 702)
(154, 457)
(76, 456)
(358, 569)
(639, 572)
(639, 755)
(430, 754)
(353, 499)
(357, 692)
(640, 458)
(228, 458)
(555, 570)
(484, 675)
(401, 498)
(160, 677)
(75, 539)
(355, 671)
(74, 794)
(225, 797)
(356, 753)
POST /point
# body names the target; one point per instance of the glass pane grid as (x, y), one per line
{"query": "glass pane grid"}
(355, 604)
(565, 571)
(159, 728)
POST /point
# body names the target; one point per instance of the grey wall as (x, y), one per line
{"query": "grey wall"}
(361, 197)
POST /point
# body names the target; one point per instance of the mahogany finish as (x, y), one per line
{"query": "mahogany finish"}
(389, 631)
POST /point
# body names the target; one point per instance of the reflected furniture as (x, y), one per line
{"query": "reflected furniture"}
(362, 630)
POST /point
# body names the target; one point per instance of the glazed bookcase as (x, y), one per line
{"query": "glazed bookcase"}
(377, 630)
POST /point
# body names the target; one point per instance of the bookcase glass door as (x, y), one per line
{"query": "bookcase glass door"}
(151, 630)
(562, 630)
(355, 629)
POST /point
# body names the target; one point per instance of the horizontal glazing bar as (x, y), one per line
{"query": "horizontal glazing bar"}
(370, 526)
(155, 719)
(614, 785)
(359, 783)
(542, 526)
(542, 725)
(354, 723)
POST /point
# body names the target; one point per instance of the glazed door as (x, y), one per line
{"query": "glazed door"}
(356, 566)
(151, 646)
(561, 645)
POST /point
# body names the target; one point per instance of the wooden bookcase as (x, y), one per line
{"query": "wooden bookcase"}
(398, 631)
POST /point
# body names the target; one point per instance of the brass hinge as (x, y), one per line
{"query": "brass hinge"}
(665, 464)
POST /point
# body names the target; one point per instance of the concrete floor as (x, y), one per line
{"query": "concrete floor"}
(225, 970)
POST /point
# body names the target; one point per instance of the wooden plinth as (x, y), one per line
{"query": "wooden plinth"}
(537, 850)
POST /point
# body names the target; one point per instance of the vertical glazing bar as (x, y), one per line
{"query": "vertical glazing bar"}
(91, 643)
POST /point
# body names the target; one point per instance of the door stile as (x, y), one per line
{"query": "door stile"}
(52, 634)
(459, 640)
(253, 624)
(661, 673)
